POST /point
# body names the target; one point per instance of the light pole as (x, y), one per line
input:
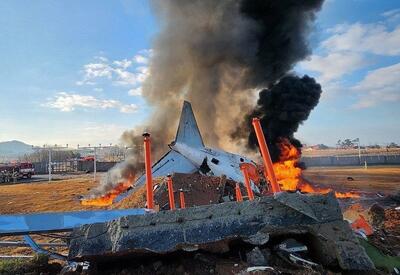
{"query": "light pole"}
(94, 148)
(359, 149)
(50, 149)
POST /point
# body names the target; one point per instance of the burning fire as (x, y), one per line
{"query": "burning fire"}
(108, 198)
(288, 173)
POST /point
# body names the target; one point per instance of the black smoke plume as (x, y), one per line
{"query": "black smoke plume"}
(216, 54)
(281, 109)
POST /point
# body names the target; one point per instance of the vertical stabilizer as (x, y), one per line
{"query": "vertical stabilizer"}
(188, 131)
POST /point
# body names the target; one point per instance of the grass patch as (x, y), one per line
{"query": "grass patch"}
(12, 265)
(379, 259)
(37, 265)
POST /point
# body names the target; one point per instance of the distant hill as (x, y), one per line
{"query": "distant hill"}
(14, 148)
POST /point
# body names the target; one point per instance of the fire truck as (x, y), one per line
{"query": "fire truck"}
(12, 172)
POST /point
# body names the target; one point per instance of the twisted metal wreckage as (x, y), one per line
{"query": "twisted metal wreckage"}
(133, 232)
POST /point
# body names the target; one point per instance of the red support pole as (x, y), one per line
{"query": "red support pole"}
(171, 193)
(149, 179)
(247, 182)
(238, 193)
(266, 156)
(182, 198)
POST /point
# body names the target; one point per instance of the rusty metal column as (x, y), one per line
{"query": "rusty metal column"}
(265, 155)
(182, 198)
(247, 182)
(170, 193)
(238, 193)
(149, 179)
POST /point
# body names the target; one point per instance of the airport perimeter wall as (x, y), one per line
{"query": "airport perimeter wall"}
(72, 166)
(101, 166)
(351, 160)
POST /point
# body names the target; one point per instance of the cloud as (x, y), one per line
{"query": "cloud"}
(97, 89)
(130, 108)
(348, 49)
(123, 72)
(135, 91)
(101, 58)
(392, 15)
(140, 59)
(380, 85)
(123, 77)
(333, 89)
(364, 38)
(334, 65)
(125, 63)
(95, 70)
(67, 102)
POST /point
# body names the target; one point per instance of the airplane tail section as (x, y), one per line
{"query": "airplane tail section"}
(188, 131)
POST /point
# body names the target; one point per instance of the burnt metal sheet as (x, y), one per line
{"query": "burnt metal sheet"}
(170, 163)
(58, 221)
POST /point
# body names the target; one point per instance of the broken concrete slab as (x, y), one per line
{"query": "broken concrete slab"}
(306, 205)
(315, 218)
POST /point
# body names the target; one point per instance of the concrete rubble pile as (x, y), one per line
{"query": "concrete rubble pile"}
(296, 225)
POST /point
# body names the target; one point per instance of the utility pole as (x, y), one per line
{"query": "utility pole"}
(50, 149)
(359, 149)
(94, 148)
(128, 150)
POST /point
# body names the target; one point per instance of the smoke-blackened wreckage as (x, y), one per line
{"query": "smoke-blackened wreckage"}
(201, 202)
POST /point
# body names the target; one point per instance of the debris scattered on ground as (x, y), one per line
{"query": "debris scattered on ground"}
(387, 234)
(379, 229)
(256, 258)
(217, 228)
(295, 253)
(362, 225)
(258, 268)
(377, 214)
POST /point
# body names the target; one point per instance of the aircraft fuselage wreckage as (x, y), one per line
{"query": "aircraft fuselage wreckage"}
(189, 155)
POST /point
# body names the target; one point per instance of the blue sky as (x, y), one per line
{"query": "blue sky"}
(71, 70)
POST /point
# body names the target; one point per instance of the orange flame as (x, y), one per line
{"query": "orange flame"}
(288, 173)
(108, 198)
